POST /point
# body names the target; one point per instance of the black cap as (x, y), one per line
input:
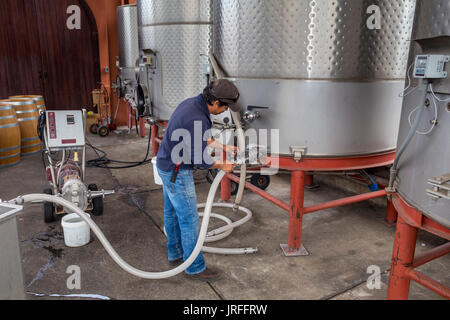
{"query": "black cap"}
(226, 92)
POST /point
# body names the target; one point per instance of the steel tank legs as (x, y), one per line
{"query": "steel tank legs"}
(391, 214)
(296, 211)
(225, 189)
(155, 145)
(402, 259)
(404, 263)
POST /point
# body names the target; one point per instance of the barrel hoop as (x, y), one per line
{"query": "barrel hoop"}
(9, 157)
(9, 165)
(9, 107)
(10, 149)
(8, 117)
(21, 103)
(32, 146)
(28, 119)
(29, 139)
(26, 111)
(9, 125)
(30, 153)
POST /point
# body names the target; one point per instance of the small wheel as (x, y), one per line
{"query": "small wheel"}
(49, 209)
(97, 203)
(234, 188)
(103, 131)
(260, 181)
(211, 175)
(94, 128)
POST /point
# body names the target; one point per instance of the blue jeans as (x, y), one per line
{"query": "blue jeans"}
(181, 218)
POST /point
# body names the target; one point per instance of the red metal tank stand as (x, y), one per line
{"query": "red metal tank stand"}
(410, 220)
(155, 137)
(299, 179)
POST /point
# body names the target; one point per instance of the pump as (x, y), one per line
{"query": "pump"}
(63, 133)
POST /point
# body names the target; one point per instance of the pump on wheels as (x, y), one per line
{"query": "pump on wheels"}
(63, 134)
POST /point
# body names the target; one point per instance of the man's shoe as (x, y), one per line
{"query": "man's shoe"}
(208, 275)
(176, 263)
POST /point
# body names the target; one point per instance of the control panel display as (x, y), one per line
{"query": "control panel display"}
(65, 129)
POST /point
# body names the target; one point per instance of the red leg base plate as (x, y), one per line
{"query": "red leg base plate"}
(289, 252)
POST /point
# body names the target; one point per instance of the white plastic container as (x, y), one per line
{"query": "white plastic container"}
(156, 176)
(76, 232)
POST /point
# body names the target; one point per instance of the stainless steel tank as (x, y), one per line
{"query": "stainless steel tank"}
(179, 33)
(127, 24)
(319, 71)
(424, 169)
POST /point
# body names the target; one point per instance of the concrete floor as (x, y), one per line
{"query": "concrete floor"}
(342, 242)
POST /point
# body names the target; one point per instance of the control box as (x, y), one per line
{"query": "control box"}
(430, 66)
(65, 129)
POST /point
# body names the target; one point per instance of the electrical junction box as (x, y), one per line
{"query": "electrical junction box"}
(148, 60)
(430, 66)
(65, 129)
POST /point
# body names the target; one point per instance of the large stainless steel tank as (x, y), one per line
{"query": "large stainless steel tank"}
(127, 24)
(179, 32)
(428, 155)
(326, 80)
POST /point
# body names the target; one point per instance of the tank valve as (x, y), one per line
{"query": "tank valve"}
(251, 116)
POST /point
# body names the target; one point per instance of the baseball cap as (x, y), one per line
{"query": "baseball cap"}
(226, 92)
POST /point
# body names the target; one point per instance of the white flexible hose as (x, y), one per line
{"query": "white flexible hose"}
(240, 137)
(225, 231)
(70, 207)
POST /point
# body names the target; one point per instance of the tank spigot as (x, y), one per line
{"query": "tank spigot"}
(250, 116)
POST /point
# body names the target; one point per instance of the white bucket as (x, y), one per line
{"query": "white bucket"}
(76, 231)
(156, 176)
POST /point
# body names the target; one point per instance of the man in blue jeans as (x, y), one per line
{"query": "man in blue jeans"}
(183, 149)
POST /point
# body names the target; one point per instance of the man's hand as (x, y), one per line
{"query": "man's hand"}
(228, 167)
(230, 150)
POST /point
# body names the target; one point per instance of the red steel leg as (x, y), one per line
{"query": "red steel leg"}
(402, 260)
(155, 144)
(309, 182)
(142, 127)
(296, 210)
(391, 214)
(225, 189)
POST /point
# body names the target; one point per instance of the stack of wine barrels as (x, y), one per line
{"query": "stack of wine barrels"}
(27, 116)
(9, 136)
(39, 100)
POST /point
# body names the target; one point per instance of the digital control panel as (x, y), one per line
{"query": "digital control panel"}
(65, 129)
(431, 66)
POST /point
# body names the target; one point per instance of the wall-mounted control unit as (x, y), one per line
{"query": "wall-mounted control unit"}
(431, 66)
(65, 129)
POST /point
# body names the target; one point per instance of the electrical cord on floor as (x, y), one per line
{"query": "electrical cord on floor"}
(102, 161)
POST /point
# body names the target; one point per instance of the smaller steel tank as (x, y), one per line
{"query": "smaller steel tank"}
(178, 33)
(128, 63)
(423, 179)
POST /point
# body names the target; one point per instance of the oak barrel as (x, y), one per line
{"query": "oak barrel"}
(9, 136)
(27, 116)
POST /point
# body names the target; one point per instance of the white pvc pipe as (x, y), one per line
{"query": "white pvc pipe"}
(70, 207)
(240, 137)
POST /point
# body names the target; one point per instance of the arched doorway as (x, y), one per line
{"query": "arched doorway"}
(41, 55)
